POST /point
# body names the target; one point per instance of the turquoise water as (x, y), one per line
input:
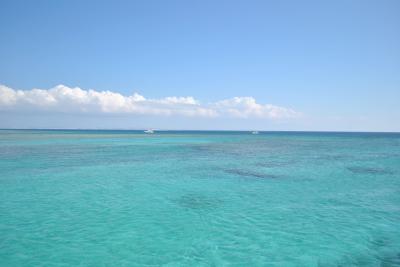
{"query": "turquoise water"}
(123, 198)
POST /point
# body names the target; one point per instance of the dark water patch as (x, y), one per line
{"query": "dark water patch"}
(216, 149)
(253, 174)
(275, 164)
(197, 201)
(335, 157)
(369, 170)
(250, 148)
(199, 147)
(338, 203)
(388, 254)
(380, 242)
(390, 260)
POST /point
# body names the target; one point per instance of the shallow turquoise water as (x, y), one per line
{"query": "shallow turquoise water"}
(122, 198)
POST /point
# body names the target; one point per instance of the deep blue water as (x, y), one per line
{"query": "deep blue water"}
(192, 198)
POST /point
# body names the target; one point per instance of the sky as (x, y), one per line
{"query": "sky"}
(206, 65)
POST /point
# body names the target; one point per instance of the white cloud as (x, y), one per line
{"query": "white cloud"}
(75, 100)
(245, 107)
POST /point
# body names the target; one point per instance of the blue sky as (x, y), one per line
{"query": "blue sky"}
(328, 65)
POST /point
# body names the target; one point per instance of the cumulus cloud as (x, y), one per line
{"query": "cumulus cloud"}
(76, 100)
(245, 107)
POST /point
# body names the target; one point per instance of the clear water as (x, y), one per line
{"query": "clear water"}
(123, 198)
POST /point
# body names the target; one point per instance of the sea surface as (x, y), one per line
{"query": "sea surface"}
(125, 198)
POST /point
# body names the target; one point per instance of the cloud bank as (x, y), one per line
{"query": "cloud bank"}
(75, 100)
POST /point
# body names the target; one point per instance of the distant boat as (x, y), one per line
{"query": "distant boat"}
(149, 131)
(254, 132)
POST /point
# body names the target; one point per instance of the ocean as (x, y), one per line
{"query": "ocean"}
(199, 198)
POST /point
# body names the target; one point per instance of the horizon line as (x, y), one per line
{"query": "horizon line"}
(190, 130)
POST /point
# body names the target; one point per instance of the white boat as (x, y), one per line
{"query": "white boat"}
(149, 131)
(254, 132)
